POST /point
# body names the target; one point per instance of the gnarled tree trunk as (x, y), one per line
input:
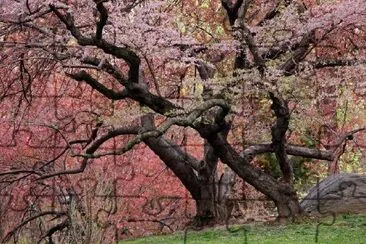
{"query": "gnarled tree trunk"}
(288, 206)
(199, 177)
(213, 205)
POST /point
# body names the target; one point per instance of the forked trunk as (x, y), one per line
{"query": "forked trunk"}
(213, 206)
(210, 212)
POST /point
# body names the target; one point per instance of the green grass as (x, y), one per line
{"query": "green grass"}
(346, 229)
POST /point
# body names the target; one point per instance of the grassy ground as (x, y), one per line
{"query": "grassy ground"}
(345, 229)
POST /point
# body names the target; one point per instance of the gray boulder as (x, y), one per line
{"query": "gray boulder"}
(341, 193)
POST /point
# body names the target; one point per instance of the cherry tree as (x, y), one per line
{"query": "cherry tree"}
(140, 56)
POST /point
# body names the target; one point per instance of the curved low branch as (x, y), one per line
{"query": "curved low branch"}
(111, 134)
(184, 119)
(297, 150)
(309, 152)
(94, 146)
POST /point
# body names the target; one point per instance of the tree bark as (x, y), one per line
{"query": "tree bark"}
(213, 206)
(282, 193)
(199, 177)
(205, 207)
(288, 205)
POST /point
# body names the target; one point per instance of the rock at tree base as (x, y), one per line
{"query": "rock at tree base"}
(341, 193)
